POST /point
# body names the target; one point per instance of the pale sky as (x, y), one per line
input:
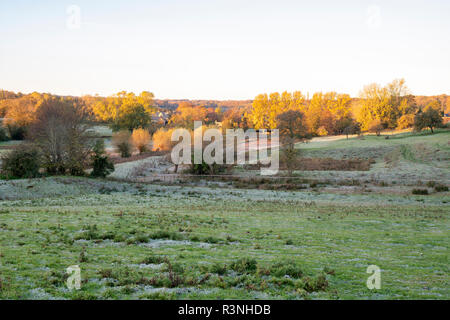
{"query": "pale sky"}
(210, 49)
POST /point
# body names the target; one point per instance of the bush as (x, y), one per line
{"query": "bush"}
(420, 191)
(205, 169)
(16, 132)
(289, 268)
(162, 140)
(322, 131)
(441, 188)
(122, 142)
(22, 162)
(141, 139)
(3, 135)
(244, 265)
(101, 164)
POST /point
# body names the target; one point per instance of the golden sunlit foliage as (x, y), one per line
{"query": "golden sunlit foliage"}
(162, 139)
(125, 110)
(330, 111)
(385, 104)
(266, 108)
(377, 108)
(110, 108)
(187, 113)
(141, 138)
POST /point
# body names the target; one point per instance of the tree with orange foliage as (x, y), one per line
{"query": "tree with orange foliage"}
(140, 138)
(186, 114)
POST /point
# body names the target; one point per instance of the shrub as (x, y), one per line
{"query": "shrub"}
(16, 132)
(322, 131)
(289, 268)
(22, 162)
(319, 283)
(431, 184)
(141, 139)
(122, 142)
(420, 191)
(218, 268)
(101, 164)
(205, 169)
(440, 188)
(244, 265)
(3, 135)
(162, 140)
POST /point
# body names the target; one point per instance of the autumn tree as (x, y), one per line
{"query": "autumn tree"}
(375, 106)
(352, 127)
(291, 126)
(266, 108)
(186, 114)
(235, 118)
(125, 110)
(405, 121)
(385, 104)
(21, 112)
(429, 118)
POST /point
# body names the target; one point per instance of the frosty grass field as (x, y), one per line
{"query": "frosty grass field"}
(156, 241)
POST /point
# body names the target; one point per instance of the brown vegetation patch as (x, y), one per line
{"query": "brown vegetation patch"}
(329, 164)
(118, 159)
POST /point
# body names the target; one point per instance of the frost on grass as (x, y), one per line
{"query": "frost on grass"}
(157, 243)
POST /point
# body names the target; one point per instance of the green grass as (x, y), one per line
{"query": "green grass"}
(161, 242)
(441, 137)
(405, 158)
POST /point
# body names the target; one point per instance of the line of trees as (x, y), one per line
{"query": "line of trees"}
(377, 108)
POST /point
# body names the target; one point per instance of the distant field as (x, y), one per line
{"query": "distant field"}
(403, 158)
(165, 242)
(441, 137)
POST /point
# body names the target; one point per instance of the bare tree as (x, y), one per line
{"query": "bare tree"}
(60, 131)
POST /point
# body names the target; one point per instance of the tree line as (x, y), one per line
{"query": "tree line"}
(331, 113)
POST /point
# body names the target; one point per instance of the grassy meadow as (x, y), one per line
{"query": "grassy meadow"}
(212, 240)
